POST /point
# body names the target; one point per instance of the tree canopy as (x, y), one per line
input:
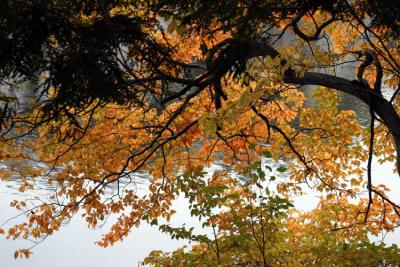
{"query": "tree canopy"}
(255, 227)
(94, 93)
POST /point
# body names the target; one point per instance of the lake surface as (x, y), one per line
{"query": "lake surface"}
(74, 246)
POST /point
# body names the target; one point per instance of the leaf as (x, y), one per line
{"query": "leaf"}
(172, 26)
(281, 169)
(26, 252)
(210, 127)
(180, 30)
(267, 154)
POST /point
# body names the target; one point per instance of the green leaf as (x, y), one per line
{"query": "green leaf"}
(282, 169)
(180, 30)
(259, 185)
(267, 154)
(210, 127)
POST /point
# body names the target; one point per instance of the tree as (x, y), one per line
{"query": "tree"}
(254, 227)
(169, 87)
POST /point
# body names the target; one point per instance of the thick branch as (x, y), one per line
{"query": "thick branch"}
(371, 57)
(260, 48)
(382, 107)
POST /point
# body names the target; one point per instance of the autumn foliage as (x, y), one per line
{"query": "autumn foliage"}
(166, 89)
